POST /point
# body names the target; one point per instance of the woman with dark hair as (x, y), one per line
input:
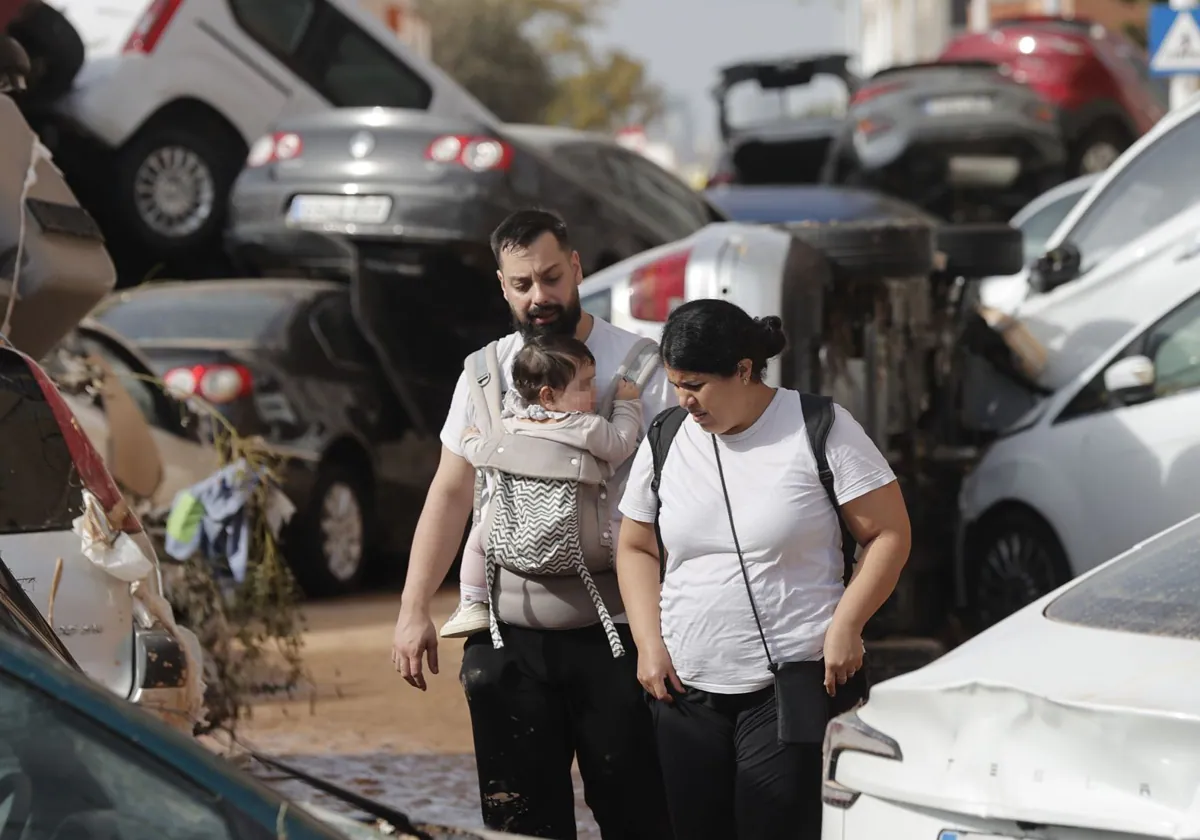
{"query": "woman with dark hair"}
(751, 631)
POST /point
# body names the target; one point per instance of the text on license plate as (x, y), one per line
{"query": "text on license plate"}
(356, 209)
(951, 106)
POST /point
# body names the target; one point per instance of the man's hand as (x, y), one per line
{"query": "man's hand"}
(414, 637)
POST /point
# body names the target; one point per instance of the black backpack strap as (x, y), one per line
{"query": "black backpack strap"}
(818, 420)
(663, 429)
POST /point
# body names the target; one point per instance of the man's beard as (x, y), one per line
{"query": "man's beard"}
(565, 323)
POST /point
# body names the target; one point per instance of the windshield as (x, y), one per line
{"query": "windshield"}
(1037, 228)
(215, 314)
(1154, 590)
(1156, 185)
(748, 105)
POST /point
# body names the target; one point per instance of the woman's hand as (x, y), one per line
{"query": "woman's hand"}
(843, 655)
(655, 669)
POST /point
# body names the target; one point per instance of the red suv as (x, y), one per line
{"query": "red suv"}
(1098, 78)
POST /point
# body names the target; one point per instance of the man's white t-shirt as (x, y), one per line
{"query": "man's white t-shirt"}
(789, 533)
(609, 345)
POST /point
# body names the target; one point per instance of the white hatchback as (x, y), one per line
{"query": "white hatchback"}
(180, 90)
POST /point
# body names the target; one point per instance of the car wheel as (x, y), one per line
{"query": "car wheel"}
(334, 541)
(1099, 148)
(1016, 560)
(872, 250)
(981, 250)
(173, 184)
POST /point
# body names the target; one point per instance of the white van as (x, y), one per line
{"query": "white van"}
(180, 91)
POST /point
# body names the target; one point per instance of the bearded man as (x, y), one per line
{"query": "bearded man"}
(552, 694)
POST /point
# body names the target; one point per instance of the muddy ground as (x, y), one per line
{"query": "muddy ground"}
(364, 728)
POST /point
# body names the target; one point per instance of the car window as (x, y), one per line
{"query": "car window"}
(224, 314)
(1174, 346)
(1154, 590)
(39, 485)
(86, 782)
(279, 25)
(356, 71)
(598, 304)
(338, 332)
(656, 191)
(1155, 186)
(586, 162)
(1037, 228)
(134, 382)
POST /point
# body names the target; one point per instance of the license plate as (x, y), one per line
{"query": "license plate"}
(954, 106)
(983, 170)
(349, 209)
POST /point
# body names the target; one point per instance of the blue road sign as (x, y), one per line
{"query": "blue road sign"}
(1174, 41)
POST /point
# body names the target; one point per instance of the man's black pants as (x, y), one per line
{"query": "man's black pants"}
(728, 776)
(545, 698)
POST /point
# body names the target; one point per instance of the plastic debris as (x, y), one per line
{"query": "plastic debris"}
(113, 551)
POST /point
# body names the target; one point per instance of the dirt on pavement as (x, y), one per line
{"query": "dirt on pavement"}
(362, 727)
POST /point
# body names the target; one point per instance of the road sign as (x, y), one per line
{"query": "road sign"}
(1174, 41)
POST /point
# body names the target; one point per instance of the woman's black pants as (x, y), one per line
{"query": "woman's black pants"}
(726, 773)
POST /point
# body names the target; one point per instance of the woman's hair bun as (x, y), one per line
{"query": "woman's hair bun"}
(773, 337)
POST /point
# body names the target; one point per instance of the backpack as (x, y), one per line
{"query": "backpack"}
(549, 513)
(818, 420)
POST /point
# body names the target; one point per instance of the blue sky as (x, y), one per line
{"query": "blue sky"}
(682, 42)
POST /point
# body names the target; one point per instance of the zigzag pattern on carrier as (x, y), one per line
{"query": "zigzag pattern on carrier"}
(535, 528)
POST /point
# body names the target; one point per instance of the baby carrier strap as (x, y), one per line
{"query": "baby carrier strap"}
(482, 369)
(638, 366)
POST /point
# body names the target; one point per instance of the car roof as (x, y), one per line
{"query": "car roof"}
(551, 136)
(816, 203)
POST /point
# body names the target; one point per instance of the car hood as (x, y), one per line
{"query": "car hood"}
(1045, 722)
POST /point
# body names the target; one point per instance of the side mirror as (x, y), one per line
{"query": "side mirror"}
(1131, 378)
(1055, 267)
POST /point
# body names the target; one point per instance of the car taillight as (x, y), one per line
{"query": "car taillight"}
(866, 94)
(273, 148)
(94, 476)
(214, 383)
(151, 26)
(479, 154)
(655, 289)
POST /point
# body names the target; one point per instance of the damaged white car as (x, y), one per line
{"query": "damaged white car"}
(65, 529)
(1076, 717)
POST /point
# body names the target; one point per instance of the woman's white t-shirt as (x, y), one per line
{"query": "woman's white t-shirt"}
(789, 533)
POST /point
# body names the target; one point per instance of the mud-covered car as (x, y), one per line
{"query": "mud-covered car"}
(960, 139)
(66, 530)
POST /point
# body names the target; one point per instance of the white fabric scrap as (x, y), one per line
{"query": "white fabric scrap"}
(279, 510)
(114, 552)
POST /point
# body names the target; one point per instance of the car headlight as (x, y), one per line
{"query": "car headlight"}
(848, 733)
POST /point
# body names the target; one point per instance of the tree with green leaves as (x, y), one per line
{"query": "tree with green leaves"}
(531, 61)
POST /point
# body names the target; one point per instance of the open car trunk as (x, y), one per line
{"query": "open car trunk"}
(64, 268)
(786, 149)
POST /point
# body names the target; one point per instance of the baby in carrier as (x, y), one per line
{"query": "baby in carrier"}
(553, 399)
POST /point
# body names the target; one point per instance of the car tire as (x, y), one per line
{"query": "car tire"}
(1098, 148)
(1016, 560)
(872, 250)
(981, 250)
(55, 49)
(333, 541)
(173, 184)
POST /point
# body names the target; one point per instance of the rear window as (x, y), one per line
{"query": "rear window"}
(40, 489)
(1154, 590)
(228, 315)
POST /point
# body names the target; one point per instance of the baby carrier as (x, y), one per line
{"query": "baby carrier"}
(549, 512)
